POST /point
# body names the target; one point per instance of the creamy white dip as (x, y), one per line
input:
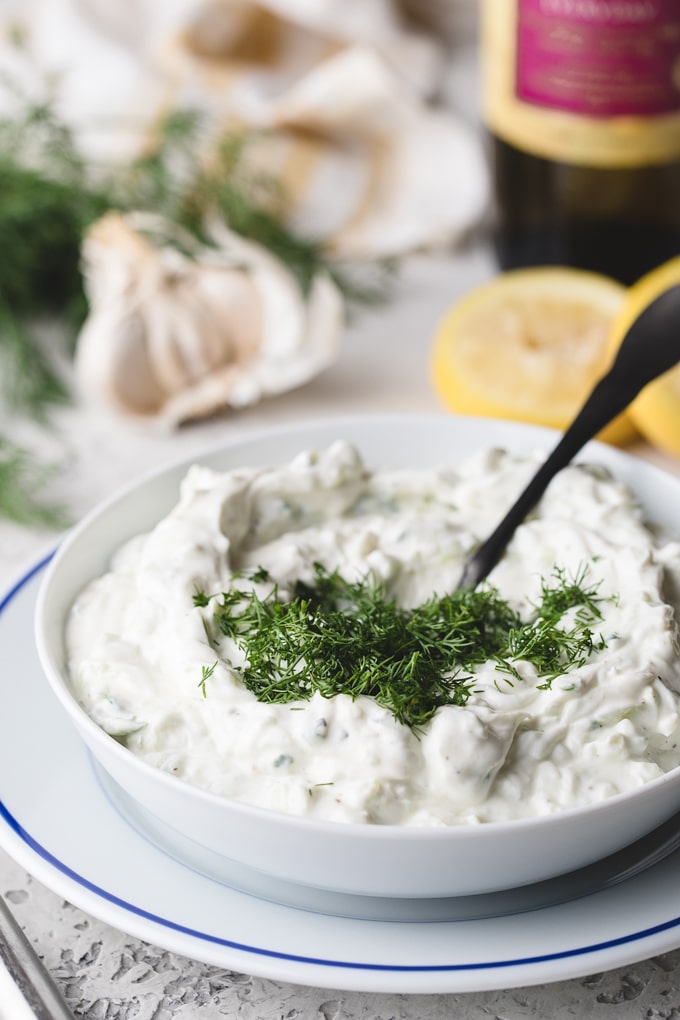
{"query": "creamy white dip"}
(137, 646)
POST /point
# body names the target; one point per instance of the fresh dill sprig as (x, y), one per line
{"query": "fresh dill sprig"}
(174, 179)
(46, 207)
(340, 637)
(206, 673)
(21, 480)
(545, 641)
(51, 195)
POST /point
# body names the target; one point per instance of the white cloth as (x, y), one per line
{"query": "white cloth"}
(340, 87)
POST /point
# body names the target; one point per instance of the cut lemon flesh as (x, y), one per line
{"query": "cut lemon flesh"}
(529, 345)
(656, 412)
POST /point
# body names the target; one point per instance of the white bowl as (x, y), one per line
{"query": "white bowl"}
(355, 859)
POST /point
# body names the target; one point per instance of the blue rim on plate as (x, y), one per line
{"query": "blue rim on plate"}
(28, 850)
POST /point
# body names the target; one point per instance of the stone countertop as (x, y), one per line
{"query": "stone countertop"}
(107, 975)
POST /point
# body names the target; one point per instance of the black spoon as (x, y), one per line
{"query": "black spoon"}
(650, 347)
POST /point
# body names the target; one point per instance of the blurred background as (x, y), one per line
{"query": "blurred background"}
(221, 214)
(225, 214)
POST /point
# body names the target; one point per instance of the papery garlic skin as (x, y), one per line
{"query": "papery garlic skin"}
(369, 168)
(178, 330)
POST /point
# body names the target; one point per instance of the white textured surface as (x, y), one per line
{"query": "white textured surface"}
(106, 975)
(13, 1006)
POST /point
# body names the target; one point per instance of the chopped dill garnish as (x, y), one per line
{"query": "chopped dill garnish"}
(547, 644)
(260, 575)
(340, 637)
(201, 599)
(206, 673)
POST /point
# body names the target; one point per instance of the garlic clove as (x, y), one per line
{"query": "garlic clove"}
(174, 336)
(267, 376)
(411, 199)
(316, 347)
(353, 93)
(299, 338)
(112, 363)
(416, 204)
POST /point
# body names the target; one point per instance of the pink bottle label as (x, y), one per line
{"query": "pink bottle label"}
(600, 58)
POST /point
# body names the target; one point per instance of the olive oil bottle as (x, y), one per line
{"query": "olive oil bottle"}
(581, 99)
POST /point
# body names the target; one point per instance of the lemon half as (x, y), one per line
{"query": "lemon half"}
(529, 345)
(656, 412)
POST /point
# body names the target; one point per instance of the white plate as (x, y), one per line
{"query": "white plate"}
(60, 823)
(57, 821)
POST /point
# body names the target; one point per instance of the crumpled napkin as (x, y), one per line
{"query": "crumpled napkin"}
(340, 87)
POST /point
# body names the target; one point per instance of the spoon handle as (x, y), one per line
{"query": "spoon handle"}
(637, 363)
(32, 992)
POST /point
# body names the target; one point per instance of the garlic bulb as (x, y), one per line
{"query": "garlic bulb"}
(178, 331)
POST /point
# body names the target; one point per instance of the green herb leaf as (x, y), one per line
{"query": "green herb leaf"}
(22, 479)
(339, 637)
(206, 673)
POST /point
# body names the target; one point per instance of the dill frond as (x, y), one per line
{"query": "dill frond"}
(339, 637)
(22, 479)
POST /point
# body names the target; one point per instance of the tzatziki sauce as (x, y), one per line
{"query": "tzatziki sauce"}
(137, 646)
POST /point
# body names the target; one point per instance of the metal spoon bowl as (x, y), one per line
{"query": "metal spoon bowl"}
(650, 347)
